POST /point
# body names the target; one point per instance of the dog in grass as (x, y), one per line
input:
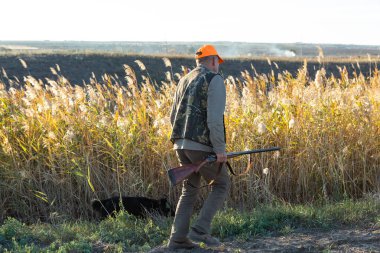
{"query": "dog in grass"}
(138, 206)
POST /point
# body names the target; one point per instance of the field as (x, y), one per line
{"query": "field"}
(78, 60)
(78, 67)
(64, 143)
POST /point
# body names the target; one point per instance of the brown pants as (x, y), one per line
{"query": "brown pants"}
(214, 201)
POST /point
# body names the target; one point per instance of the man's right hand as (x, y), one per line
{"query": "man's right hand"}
(221, 157)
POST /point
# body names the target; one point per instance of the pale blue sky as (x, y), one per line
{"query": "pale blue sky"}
(323, 21)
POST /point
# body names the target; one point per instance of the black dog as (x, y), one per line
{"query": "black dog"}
(137, 206)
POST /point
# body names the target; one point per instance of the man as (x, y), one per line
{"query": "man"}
(197, 119)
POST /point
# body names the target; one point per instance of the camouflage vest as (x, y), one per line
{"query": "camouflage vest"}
(190, 120)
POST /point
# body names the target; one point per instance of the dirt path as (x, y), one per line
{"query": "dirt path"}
(338, 240)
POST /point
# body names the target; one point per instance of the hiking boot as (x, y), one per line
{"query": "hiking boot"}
(205, 238)
(185, 244)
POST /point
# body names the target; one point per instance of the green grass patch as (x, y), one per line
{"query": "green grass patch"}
(284, 219)
(125, 233)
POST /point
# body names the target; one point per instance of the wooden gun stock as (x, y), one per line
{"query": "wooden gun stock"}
(176, 175)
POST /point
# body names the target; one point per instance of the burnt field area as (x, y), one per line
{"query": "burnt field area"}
(78, 67)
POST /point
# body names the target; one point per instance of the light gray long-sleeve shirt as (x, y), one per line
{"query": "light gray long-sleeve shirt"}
(216, 103)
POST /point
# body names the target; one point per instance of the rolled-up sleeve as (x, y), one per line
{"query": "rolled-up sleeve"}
(216, 103)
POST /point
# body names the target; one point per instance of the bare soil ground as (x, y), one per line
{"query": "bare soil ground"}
(337, 240)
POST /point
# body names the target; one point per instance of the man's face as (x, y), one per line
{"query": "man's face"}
(215, 64)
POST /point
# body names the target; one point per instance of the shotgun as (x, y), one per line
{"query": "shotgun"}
(176, 175)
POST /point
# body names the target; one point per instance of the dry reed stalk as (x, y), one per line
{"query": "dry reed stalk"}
(62, 145)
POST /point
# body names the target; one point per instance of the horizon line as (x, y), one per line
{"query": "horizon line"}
(193, 42)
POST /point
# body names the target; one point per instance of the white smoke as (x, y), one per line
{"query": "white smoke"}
(289, 53)
(274, 51)
(255, 50)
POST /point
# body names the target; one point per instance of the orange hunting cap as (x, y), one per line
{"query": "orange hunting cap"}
(207, 50)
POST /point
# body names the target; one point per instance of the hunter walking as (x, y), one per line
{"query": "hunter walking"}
(197, 119)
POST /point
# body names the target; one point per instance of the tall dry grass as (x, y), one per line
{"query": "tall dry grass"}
(63, 144)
